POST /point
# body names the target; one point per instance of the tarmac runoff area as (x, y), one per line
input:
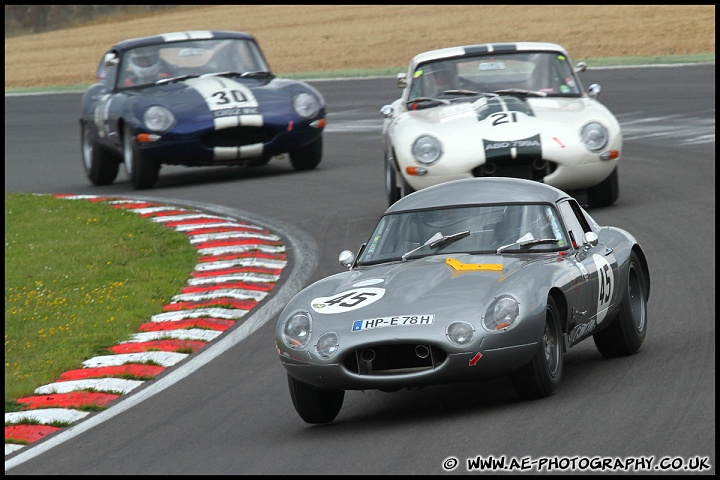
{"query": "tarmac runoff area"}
(239, 264)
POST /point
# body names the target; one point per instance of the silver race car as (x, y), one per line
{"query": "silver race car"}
(468, 279)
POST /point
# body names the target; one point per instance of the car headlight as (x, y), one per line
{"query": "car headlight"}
(460, 333)
(158, 119)
(297, 329)
(502, 313)
(594, 136)
(327, 344)
(427, 150)
(306, 105)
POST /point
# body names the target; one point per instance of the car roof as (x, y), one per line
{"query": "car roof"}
(180, 36)
(486, 48)
(481, 190)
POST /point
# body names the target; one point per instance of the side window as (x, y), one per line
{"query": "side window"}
(575, 221)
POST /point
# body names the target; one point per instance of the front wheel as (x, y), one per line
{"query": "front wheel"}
(142, 169)
(626, 333)
(313, 404)
(308, 157)
(542, 375)
(101, 167)
(606, 192)
(391, 184)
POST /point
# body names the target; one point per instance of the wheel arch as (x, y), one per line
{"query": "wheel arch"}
(561, 304)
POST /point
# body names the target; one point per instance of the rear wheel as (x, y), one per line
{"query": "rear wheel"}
(313, 404)
(308, 157)
(606, 192)
(101, 167)
(626, 333)
(142, 169)
(542, 375)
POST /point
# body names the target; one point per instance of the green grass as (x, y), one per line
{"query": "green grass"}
(79, 278)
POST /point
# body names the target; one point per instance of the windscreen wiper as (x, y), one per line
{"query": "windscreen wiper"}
(437, 240)
(521, 91)
(529, 242)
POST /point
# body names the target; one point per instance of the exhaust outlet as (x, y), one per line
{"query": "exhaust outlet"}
(367, 355)
(539, 164)
(422, 351)
(489, 169)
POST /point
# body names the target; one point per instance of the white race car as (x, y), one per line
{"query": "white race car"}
(500, 110)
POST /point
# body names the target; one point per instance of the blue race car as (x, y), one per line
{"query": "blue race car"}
(196, 98)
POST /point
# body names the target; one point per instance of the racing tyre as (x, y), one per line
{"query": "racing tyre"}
(100, 166)
(140, 167)
(395, 185)
(606, 192)
(541, 376)
(315, 405)
(391, 186)
(626, 333)
(308, 157)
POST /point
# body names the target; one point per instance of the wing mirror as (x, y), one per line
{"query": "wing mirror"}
(346, 258)
(594, 90)
(401, 80)
(590, 239)
(111, 59)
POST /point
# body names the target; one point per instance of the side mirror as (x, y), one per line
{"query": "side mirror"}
(110, 60)
(386, 111)
(590, 239)
(401, 80)
(346, 258)
(580, 67)
(594, 90)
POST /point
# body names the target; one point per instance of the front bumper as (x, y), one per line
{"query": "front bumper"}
(358, 371)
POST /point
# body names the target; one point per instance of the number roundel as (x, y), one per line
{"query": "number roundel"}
(347, 300)
(606, 283)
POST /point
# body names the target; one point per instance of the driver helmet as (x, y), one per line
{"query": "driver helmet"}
(145, 62)
(442, 78)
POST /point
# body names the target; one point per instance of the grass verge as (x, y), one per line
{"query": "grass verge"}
(80, 277)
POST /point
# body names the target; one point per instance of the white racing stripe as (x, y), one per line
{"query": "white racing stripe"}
(189, 35)
(232, 104)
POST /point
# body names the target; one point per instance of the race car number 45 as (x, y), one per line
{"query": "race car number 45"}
(397, 321)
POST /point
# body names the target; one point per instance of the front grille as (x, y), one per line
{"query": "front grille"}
(394, 359)
(536, 169)
(238, 136)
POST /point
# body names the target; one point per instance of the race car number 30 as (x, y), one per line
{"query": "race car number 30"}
(348, 300)
(396, 321)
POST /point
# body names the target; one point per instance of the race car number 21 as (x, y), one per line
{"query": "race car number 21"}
(348, 300)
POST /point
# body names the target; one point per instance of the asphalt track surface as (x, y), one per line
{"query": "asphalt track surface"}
(229, 411)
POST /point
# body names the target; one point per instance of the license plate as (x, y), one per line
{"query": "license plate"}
(397, 321)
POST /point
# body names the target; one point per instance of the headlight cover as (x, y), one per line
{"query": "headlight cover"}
(460, 333)
(327, 344)
(306, 105)
(427, 149)
(296, 329)
(594, 136)
(158, 119)
(502, 314)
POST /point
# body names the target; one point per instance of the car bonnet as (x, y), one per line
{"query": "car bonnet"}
(443, 285)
